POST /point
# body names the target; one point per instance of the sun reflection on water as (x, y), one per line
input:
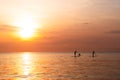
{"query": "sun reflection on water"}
(24, 66)
(26, 58)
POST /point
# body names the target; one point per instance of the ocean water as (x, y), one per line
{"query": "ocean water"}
(59, 66)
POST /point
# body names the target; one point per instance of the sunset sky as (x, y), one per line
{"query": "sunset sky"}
(59, 25)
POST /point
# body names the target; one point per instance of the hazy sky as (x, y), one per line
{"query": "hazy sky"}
(62, 25)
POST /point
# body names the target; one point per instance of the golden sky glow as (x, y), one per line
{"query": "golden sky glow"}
(59, 25)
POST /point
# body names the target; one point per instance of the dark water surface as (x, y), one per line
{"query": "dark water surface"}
(59, 66)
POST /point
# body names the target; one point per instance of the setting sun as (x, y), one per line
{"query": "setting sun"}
(27, 25)
(26, 33)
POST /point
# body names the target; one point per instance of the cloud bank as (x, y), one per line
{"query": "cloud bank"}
(114, 32)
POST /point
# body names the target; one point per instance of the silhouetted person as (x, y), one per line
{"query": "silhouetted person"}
(75, 52)
(93, 54)
(79, 55)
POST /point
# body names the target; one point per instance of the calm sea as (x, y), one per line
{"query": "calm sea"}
(59, 66)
